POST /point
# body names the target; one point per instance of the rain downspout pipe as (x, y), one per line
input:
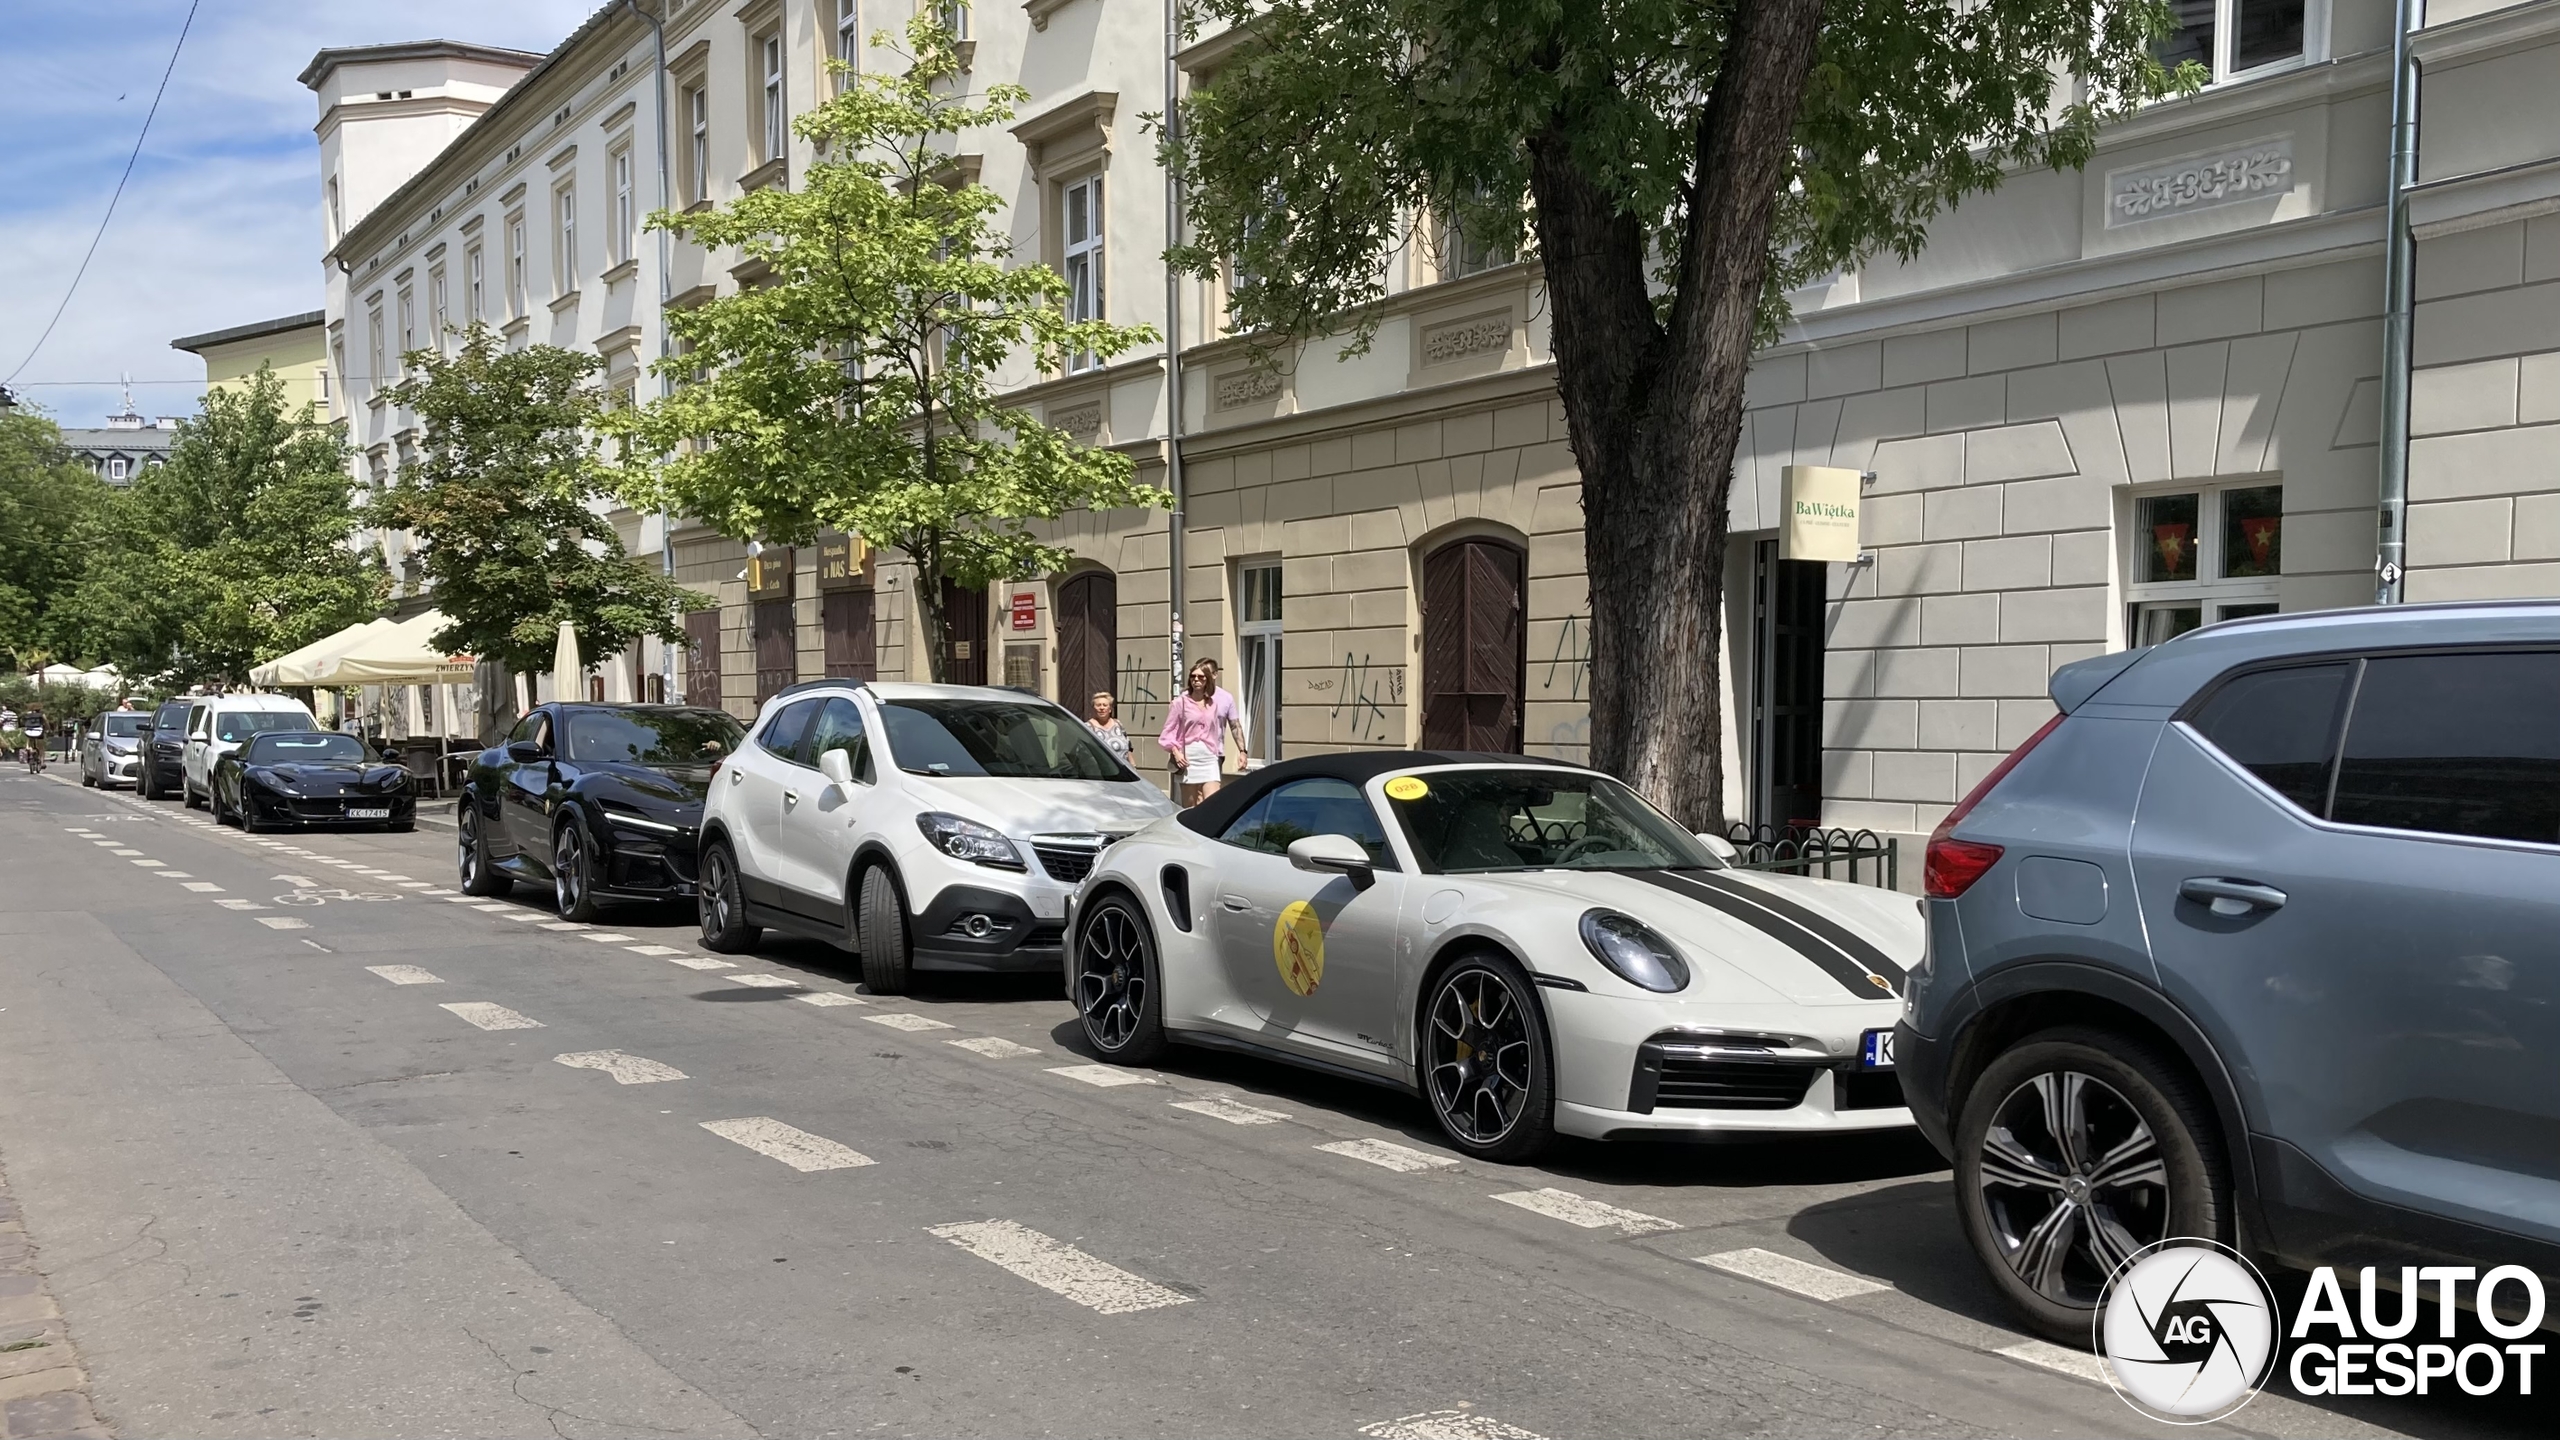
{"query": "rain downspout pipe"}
(1173, 332)
(2399, 266)
(666, 522)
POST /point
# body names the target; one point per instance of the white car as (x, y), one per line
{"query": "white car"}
(220, 724)
(925, 827)
(1530, 946)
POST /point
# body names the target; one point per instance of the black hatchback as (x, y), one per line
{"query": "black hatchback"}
(600, 802)
(164, 751)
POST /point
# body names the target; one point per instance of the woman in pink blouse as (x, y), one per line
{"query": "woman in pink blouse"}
(1196, 726)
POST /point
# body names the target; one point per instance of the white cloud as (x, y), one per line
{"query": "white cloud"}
(220, 224)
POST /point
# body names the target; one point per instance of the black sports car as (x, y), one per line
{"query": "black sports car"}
(283, 779)
(600, 802)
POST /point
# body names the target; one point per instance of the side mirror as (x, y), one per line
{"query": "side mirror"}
(837, 766)
(1334, 854)
(524, 752)
(1722, 847)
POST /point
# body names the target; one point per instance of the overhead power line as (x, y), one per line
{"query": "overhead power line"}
(76, 275)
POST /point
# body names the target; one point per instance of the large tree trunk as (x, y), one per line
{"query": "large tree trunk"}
(1655, 408)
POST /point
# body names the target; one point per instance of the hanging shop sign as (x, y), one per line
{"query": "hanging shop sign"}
(769, 573)
(844, 563)
(1820, 505)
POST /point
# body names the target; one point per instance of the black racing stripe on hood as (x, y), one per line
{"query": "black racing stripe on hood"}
(1854, 975)
(1858, 948)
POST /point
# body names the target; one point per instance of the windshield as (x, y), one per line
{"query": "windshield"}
(171, 717)
(125, 724)
(241, 724)
(660, 739)
(1473, 821)
(304, 747)
(994, 737)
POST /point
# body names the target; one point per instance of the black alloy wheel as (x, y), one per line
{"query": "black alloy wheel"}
(1116, 989)
(213, 804)
(886, 959)
(573, 887)
(1484, 1058)
(471, 856)
(723, 908)
(2076, 1149)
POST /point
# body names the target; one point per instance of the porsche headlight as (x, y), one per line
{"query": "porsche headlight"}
(1634, 951)
(968, 840)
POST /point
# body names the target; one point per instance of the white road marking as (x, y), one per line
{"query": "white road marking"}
(2077, 1364)
(492, 1017)
(765, 982)
(283, 922)
(1574, 1209)
(175, 875)
(1059, 1268)
(1388, 1155)
(994, 1047)
(653, 949)
(387, 875)
(792, 1146)
(469, 900)
(830, 997)
(608, 937)
(566, 925)
(155, 864)
(316, 945)
(521, 916)
(1814, 1282)
(405, 975)
(904, 1021)
(494, 907)
(204, 887)
(417, 884)
(1105, 1076)
(1219, 1107)
(303, 881)
(625, 1069)
(699, 962)
(1458, 1424)
(121, 850)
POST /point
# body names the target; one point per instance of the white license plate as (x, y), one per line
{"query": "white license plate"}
(369, 812)
(1875, 1050)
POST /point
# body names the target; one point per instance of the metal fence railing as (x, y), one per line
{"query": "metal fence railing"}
(1831, 854)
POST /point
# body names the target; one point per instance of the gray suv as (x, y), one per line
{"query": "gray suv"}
(2258, 940)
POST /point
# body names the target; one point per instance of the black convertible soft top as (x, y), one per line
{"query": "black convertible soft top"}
(1359, 767)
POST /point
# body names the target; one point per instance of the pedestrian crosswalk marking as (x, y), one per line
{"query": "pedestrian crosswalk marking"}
(792, 1146)
(1105, 1076)
(405, 975)
(1060, 1268)
(1219, 1107)
(901, 1020)
(1786, 1272)
(625, 1069)
(994, 1047)
(491, 1017)
(1590, 1214)
(1388, 1155)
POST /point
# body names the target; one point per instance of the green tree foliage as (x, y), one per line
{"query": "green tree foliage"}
(234, 552)
(50, 505)
(501, 505)
(849, 388)
(1676, 167)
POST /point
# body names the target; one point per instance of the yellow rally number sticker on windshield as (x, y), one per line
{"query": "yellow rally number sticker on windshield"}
(1407, 787)
(1297, 947)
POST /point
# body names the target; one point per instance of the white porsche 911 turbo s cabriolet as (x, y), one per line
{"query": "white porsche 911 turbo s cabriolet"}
(1529, 945)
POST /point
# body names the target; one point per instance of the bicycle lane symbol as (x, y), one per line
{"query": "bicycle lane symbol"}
(310, 892)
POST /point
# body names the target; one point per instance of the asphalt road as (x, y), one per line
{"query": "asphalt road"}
(283, 1180)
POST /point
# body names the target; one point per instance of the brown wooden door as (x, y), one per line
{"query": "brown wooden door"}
(1088, 638)
(964, 635)
(777, 648)
(702, 659)
(846, 616)
(1474, 646)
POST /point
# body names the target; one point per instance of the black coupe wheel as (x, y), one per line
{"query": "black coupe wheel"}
(213, 806)
(1116, 988)
(573, 881)
(885, 967)
(1484, 1056)
(722, 906)
(2076, 1149)
(471, 856)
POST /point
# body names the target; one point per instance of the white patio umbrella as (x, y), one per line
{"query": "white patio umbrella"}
(567, 675)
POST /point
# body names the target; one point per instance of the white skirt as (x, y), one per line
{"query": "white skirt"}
(1200, 765)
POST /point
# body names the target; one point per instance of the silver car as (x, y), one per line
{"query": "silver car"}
(2258, 940)
(111, 748)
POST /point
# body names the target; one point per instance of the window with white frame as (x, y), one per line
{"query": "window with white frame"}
(408, 330)
(435, 308)
(474, 279)
(337, 213)
(1258, 654)
(697, 175)
(116, 468)
(376, 375)
(2233, 38)
(848, 38)
(776, 125)
(1462, 254)
(1080, 212)
(338, 362)
(626, 213)
(954, 15)
(2199, 554)
(515, 265)
(564, 246)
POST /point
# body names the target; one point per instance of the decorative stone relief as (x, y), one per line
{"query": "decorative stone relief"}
(2190, 183)
(1475, 335)
(1244, 388)
(1082, 421)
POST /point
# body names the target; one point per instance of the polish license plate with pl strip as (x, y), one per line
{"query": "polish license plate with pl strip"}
(368, 812)
(1875, 1050)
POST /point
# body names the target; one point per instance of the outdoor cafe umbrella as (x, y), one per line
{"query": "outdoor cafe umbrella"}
(565, 669)
(297, 667)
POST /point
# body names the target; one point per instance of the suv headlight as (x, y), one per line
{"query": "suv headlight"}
(968, 840)
(1634, 951)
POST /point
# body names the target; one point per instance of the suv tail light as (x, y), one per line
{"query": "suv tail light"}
(1952, 865)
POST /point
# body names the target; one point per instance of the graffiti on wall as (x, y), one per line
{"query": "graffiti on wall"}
(1365, 689)
(1572, 655)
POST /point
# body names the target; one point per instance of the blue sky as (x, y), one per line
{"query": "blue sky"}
(220, 224)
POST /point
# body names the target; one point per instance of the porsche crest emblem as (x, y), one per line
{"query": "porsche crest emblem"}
(1297, 947)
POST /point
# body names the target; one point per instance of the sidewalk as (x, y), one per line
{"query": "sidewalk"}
(43, 1390)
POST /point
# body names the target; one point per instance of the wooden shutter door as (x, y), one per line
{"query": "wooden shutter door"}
(777, 648)
(847, 616)
(1088, 638)
(1474, 656)
(964, 635)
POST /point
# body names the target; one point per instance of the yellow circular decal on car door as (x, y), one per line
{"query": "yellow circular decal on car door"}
(1297, 947)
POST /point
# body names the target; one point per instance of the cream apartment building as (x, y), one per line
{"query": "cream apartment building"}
(2101, 407)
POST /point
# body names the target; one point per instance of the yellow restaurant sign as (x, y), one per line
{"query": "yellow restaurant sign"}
(1820, 506)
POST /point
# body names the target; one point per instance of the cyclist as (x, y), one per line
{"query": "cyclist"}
(32, 726)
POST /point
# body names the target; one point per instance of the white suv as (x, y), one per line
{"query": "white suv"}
(932, 827)
(220, 724)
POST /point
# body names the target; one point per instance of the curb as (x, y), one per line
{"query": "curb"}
(44, 1392)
